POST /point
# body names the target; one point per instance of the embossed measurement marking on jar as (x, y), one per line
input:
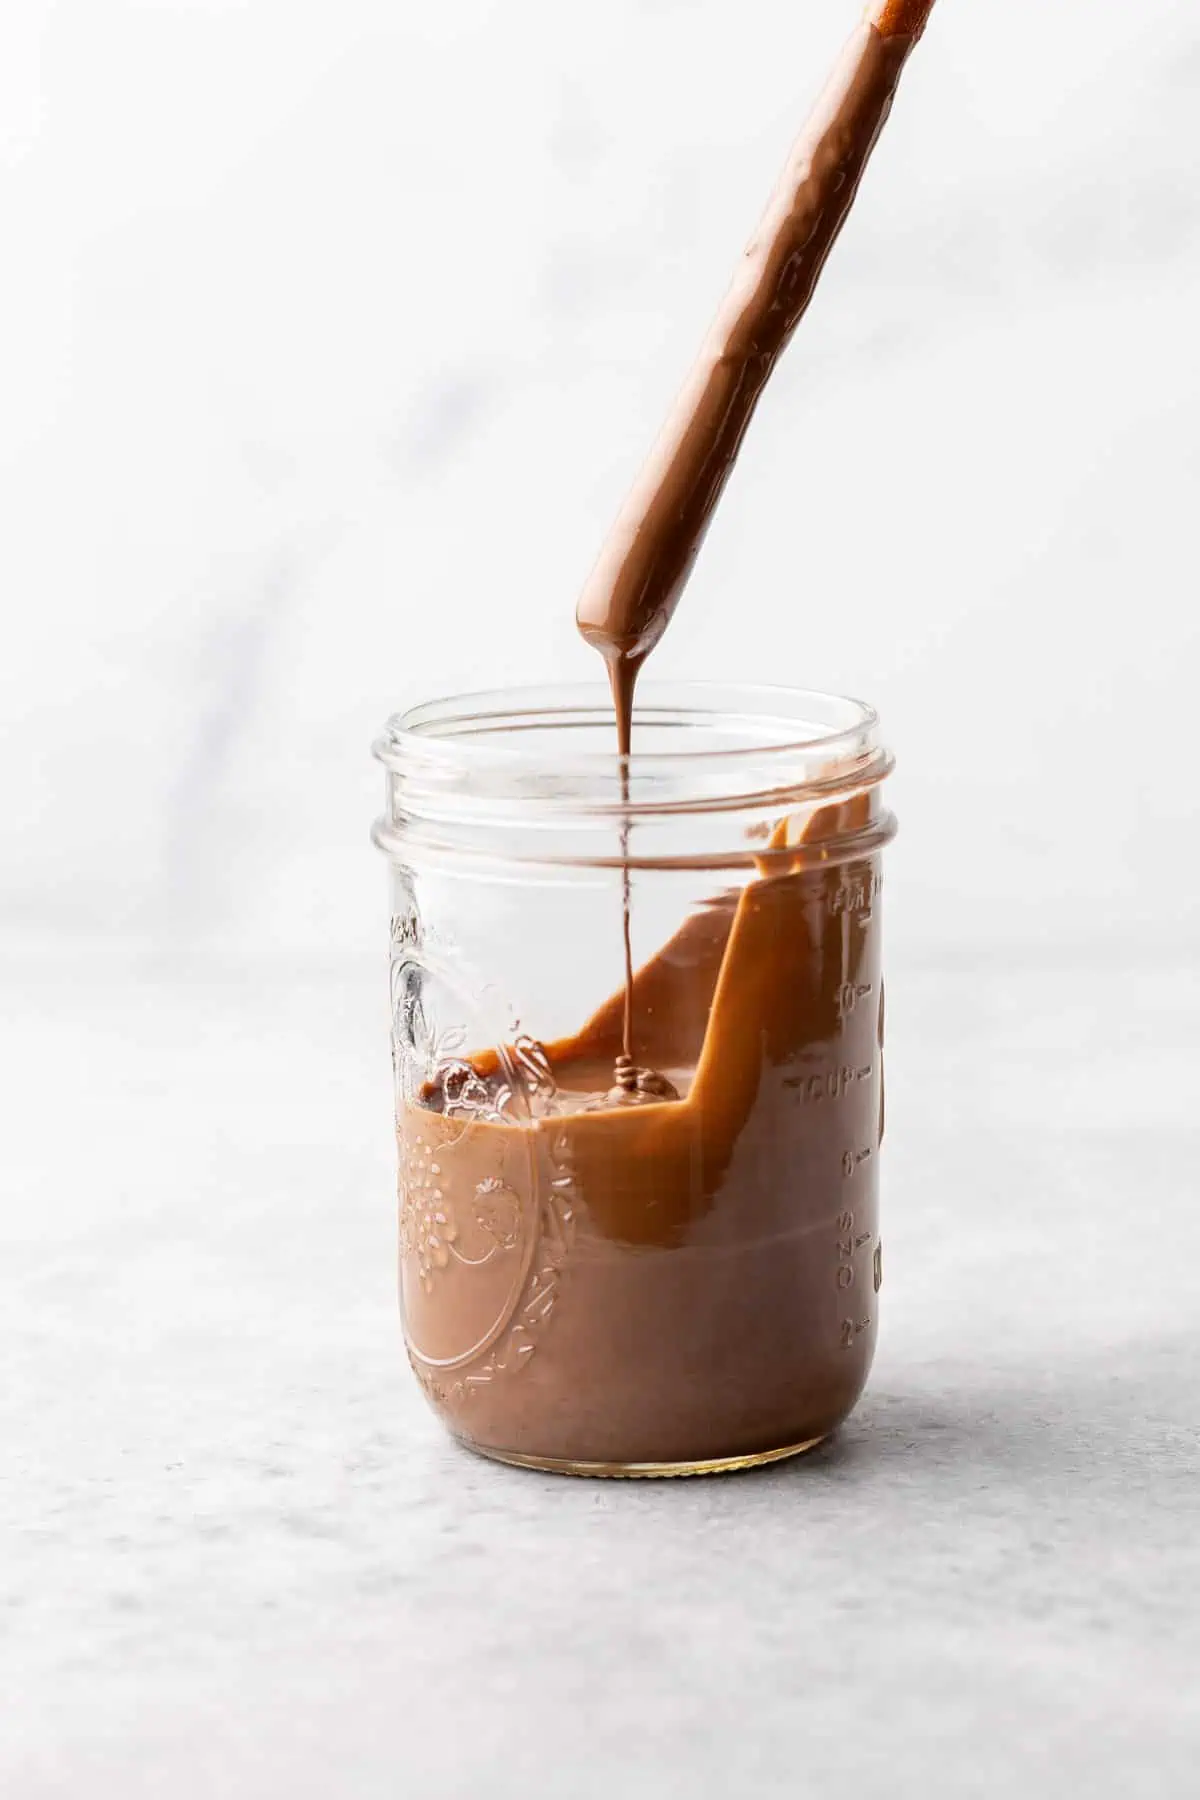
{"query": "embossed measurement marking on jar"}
(853, 1160)
(855, 897)
(852, 1328)
(849, 1242)
(835, 1084)
(845, 1247)
(851, 995)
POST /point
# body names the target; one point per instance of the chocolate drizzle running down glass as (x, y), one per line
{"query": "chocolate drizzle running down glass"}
(651, 1246)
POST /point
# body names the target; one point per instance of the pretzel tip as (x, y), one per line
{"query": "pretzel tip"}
(899, 18)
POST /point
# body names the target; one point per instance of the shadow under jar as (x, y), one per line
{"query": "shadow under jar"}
(690, 1283)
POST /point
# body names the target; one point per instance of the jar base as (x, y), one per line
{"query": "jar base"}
(645, 1471)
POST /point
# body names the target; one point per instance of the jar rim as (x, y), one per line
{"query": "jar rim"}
(471, 772)
(491, 724)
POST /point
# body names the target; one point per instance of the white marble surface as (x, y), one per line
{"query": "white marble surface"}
(241, 1561)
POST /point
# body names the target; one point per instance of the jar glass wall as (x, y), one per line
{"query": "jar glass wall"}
(690, 1282)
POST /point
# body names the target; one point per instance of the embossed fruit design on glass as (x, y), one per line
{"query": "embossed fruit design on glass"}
(638, 1220)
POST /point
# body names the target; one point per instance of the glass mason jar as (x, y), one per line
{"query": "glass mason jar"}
(689, 1283)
